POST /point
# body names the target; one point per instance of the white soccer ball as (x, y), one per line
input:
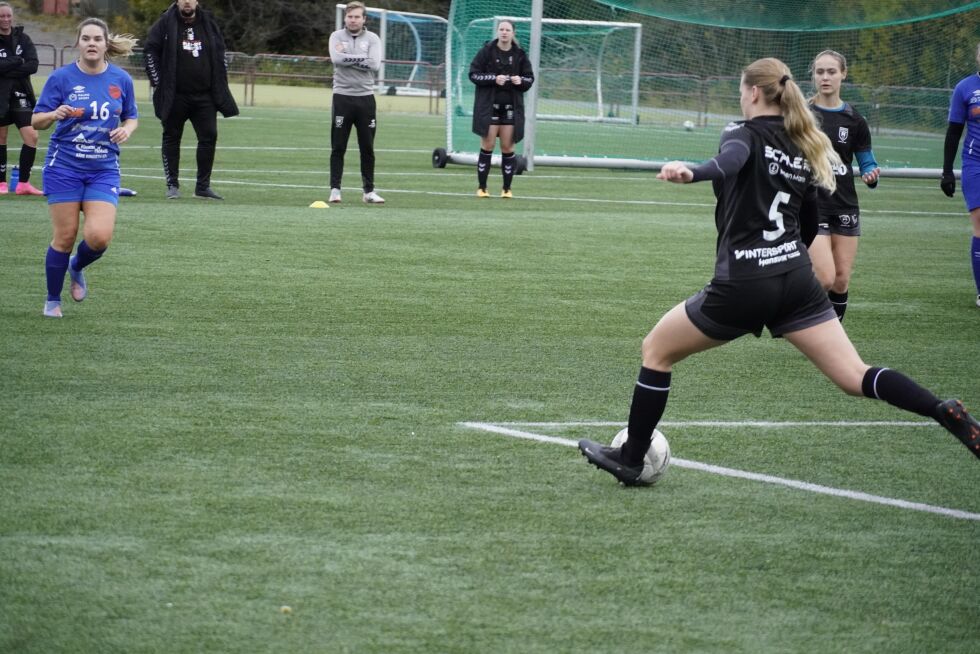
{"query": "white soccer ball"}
(689, 125)
(657, 458)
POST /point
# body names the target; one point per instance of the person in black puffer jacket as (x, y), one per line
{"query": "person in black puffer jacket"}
(185, 62)
(502, 73)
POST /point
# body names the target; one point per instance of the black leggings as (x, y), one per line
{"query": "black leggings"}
(200, 110)
(359, 112)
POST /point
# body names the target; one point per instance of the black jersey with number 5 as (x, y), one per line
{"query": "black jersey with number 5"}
(849, 133)
(758, 209)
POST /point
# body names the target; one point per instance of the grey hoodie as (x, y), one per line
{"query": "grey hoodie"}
(355, 61)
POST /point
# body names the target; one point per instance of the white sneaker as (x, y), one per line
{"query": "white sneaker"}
(52, 308)
(978, 300)
(373, 198)
(335, 196)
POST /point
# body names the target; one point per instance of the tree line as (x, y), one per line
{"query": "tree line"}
(299, 27)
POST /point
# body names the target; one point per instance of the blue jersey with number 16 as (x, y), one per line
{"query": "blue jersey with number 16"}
(101, 103)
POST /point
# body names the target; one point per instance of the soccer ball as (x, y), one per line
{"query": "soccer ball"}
(657, 457)
(689, 125)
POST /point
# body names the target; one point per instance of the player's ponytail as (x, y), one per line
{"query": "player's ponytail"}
(120, 45)
(774, 80)
(117, 45)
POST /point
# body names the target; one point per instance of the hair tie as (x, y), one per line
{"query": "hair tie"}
(783, 80)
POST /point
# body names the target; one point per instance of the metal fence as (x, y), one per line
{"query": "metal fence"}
(710, 99)
(406, 78)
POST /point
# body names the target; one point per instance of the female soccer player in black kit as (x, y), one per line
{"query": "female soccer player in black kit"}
(765, 177)
(502, 74)
(835, 247)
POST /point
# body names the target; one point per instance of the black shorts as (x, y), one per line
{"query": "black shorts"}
(17, 118)
(727, 309)
(845, 224)
(503, 114)
(19, 111)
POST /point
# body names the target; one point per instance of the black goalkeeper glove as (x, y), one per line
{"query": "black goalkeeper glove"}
(948, 184)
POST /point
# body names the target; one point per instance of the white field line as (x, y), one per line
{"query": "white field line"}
(738, 423)
(741, 474)
(537, 198)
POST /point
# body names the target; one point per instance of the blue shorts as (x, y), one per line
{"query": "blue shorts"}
(62, 184)
(970, 183)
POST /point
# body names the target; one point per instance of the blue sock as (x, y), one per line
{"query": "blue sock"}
(975, 256)
(55, 267)
(86, 255)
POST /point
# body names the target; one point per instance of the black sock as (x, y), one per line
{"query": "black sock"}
(3, 163)
(483, 167)
(898, 390)
(508, 161)
(649, 402)
(27, 155)
(839, 300)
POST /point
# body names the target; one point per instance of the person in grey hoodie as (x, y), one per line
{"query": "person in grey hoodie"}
(356, 56)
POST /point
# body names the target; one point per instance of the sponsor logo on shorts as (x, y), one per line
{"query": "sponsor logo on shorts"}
(338, 121)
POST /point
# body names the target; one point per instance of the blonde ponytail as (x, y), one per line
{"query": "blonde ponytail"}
(120, 45)
(774, 80)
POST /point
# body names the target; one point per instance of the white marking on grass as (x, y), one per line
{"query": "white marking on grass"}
(739, 474)
(533, 198)
(737, 423)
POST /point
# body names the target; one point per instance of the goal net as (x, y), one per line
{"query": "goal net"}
(634, 83)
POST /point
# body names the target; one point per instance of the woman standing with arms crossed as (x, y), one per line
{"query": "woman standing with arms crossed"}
(764, 178)
(502, 74)
(964, 110)
(95, 108)
(834, 249)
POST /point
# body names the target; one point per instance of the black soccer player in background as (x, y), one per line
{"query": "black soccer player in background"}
(765, 178)
(502, 73)
(834, 249)
(18, 61)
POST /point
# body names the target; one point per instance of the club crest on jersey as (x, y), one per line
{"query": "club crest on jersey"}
(338, 121)
(842, 134)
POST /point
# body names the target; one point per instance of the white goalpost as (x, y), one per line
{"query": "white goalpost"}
(586, 71)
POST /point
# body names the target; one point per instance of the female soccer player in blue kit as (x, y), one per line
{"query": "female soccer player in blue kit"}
(95, 108)
(964, 110)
